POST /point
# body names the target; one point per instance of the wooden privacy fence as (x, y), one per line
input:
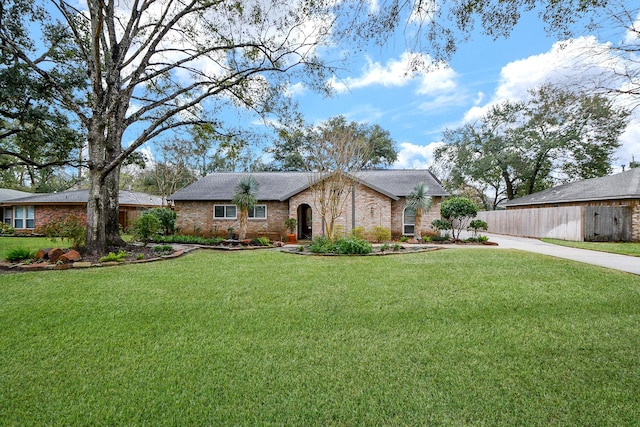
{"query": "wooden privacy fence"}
(578, 223)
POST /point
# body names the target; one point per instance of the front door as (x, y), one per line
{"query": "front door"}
(305, 221)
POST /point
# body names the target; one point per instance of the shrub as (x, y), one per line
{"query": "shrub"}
(146, 227)
(321, 245)
(111, 257)
(261, 241)
(6, 229)
(352, 246)
(359, 233)
(384, 247)
(397, 247)
(20, 254)
(70, 228)
(167, 219)
(380, 234)
(404, 239)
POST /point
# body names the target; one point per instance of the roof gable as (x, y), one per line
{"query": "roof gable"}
(624, 185)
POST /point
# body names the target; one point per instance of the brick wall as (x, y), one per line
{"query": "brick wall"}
(371, 209)
(196, 218)
(397, 215)
(45, 214)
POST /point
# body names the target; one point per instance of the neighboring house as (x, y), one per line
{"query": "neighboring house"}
(376, 198)
(611, 204)
(27, 213)
(8, 194)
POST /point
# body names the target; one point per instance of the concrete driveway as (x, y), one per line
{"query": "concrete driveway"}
(626, 263)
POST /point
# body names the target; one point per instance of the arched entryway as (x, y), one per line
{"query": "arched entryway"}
(305, 221)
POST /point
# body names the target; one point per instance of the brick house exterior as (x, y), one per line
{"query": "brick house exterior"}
(619, 190)
(374, 198)
(25, 214)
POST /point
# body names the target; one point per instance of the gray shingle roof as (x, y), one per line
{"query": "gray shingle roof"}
(8, 194)
(82, 196)
(625, 185)
(279, 186)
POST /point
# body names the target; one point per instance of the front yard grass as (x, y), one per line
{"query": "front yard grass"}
(464, 337)
(622, 248)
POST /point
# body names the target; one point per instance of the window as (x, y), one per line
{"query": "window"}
(258, 212)
(408, 221)
(224, 211)
(8, 216)
(23, 217)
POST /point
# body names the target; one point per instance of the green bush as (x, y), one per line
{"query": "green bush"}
(261, 241)
(167, 219)
(359, 233)
(20, 254)
(321, 245)
(111, 257)
(352, 246)
(343, 246)
(380, 234)
(145, 228)
(70, 228)
(6, 229)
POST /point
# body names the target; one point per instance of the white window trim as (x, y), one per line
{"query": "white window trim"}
(404, 223)
(25, 216)
(225, 212)
(260, 218)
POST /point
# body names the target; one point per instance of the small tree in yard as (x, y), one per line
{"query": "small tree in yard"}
(245, 199)
(458, 211)
(419, 201)
(167, 219)
(477, 225)
(146, 227)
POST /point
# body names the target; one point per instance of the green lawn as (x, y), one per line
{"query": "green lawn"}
(451, 337)
(622, 248)
(31, 243)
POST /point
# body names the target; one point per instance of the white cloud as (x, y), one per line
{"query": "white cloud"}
(400, 72)
(579, 63)
(412, 156)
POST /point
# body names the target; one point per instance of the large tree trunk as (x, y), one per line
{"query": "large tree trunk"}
(103, 205)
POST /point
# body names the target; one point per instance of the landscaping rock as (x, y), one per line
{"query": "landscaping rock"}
(70, 256)
(54, 254)
(42, 254)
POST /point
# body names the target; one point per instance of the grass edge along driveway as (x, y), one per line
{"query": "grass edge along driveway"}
(260, 337)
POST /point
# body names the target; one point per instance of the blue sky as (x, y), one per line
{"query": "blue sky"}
(416, 109)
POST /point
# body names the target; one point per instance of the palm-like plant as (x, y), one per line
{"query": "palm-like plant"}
(245, 199)
(419, 201)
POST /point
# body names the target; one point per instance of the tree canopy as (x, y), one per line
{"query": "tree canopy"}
(296, 147)
(518, 148)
